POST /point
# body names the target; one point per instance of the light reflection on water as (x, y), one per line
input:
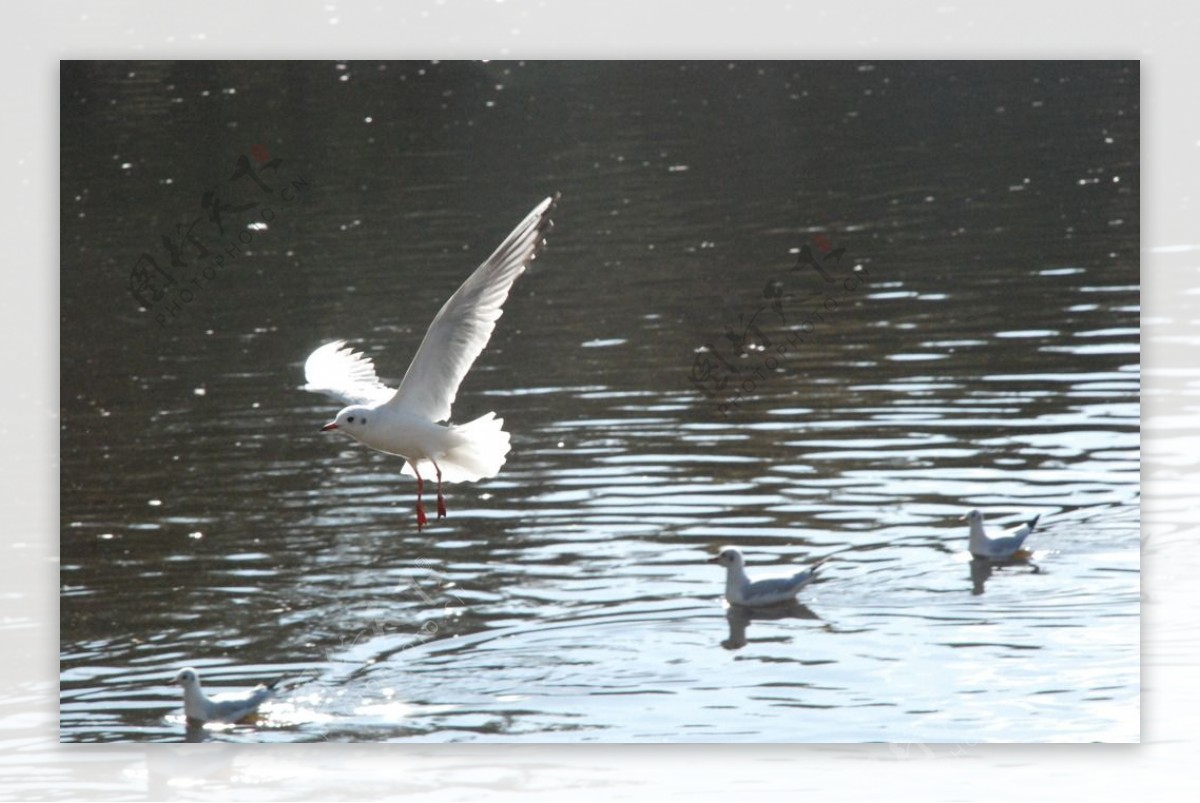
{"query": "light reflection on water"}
(580, 578)
(207, 522)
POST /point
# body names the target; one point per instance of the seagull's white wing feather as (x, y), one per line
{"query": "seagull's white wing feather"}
(465, 323)
(339, 372)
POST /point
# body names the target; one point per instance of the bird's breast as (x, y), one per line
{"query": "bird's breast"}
(404, 435)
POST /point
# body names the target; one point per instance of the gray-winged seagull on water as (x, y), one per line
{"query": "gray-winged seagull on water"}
(1003, 547)
(741, 590)
(409, 421)
(228, 707)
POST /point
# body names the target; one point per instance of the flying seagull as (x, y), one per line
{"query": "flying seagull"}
(411, 421)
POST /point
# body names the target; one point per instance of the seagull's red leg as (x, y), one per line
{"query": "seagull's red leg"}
(422, 519)
(441, 499)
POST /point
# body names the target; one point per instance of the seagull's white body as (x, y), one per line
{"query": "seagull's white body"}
(407, 420)
(1002, 547)
(741, 590)
(227, 707)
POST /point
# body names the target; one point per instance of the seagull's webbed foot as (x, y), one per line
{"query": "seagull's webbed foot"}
(422, 519)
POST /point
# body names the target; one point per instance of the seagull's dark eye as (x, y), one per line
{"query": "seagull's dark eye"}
(350, 419)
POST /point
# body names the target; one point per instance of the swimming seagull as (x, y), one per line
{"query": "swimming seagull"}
(1004, 547)
(227, 707)
(740, 590)
(408, 421)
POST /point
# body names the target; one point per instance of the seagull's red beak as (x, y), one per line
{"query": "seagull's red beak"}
(329, 426)
(714, 559)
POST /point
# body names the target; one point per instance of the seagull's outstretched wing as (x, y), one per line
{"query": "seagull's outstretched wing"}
(465, 323)
(341, 373)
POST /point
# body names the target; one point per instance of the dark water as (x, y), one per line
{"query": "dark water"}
(676, 376)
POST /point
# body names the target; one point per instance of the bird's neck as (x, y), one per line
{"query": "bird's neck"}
(735, 581)
(978, 539)
(193, 702)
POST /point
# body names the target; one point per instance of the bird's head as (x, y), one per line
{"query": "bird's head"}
(728, 556)
(975, 517)
(186, 677)
(351, 420)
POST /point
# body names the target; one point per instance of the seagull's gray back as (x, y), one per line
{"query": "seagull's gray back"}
(1005, 546)
(775, 589)
(232, 707)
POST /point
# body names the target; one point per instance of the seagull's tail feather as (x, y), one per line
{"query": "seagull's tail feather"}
(478, 452)
(1033, 522)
